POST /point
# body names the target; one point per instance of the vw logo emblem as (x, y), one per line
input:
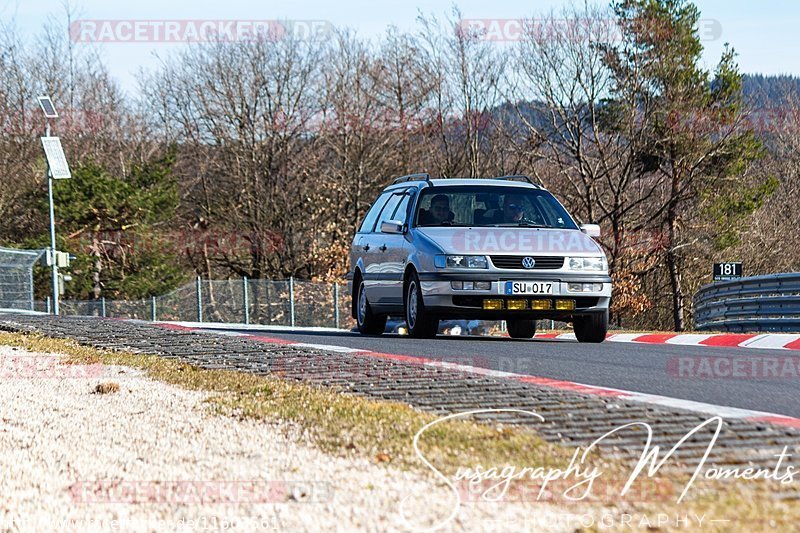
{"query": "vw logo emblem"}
(528, 262)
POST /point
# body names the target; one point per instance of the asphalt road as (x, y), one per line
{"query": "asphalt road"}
(646, 368)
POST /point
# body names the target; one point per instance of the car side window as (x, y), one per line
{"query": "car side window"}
(372, 214)
(389, 209)
(401, 213)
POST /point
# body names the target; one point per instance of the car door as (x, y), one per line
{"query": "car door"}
(394, 247)
(363, 246)
(376, 275)
(390, 253)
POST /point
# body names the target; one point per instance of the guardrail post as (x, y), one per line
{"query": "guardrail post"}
(48, 305)
(336, 304)
(291, 301)
(103, 306)
(246, 298)
(199, 300)
(153, 308)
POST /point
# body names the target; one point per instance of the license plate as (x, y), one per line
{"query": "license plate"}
(529, 287)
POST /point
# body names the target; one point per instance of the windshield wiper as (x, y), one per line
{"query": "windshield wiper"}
(521, 224)
(444, 225)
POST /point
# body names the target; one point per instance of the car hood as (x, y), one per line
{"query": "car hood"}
(512, 241)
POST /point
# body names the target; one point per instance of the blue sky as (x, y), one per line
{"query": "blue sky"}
(765, 34)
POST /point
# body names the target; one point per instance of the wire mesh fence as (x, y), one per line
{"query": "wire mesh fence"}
(288, 302)
(265, 302)
(16, 278)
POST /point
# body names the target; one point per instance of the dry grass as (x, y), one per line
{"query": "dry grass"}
(338, 423)
(345, 424)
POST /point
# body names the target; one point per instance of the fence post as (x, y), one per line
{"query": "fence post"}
(153, 308)
(199, 300)
(30, 280)
(246, 301)
(336, 304)
(291, 301)
(267, 285)
(103, 306)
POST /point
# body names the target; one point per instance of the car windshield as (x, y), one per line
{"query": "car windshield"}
(486, 206)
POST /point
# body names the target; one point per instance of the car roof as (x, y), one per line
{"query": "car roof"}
(453, 182)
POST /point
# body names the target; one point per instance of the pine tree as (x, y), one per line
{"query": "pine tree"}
(696, 141)
(115, 227)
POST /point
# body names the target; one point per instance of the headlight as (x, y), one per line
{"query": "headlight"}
(584, 287)
(461, 261)
(588, 263)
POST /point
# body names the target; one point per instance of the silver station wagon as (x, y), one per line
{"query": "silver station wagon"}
(495, 249)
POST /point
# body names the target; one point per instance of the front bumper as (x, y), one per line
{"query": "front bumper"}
(439, 296)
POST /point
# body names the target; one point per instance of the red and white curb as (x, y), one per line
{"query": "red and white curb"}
(653, 399)
(769, 341)
(762, 341)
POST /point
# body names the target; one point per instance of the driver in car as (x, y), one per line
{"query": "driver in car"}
(512, 211)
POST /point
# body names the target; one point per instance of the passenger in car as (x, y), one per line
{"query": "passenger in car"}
(439, 212)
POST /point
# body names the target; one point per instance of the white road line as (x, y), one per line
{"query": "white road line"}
(330, 347)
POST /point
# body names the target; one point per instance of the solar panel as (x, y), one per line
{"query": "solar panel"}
(47, 106)
(56, 159)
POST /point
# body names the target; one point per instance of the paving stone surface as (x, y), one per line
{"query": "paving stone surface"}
(571, 418)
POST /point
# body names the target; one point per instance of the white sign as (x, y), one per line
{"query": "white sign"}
(56, 160)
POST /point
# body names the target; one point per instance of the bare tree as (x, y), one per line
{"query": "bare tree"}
(465, 73)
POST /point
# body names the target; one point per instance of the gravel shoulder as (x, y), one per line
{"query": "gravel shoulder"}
(152, 456)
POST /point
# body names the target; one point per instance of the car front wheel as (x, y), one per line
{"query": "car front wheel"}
(521, 329)
(591, 328)
(368, 323)
(421, 323)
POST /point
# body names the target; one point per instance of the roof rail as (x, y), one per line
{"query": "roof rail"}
(414, 177)
(518, 177)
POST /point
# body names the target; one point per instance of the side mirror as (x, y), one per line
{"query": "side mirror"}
(392, 226)
(592, 230)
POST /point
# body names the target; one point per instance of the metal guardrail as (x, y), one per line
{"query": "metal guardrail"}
(769, 303)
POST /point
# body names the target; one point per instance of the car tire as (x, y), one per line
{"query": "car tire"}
(421, 323)
(591, 328)
(521, 329)
(368, 323)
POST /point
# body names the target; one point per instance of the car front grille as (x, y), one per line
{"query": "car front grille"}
(542, 262)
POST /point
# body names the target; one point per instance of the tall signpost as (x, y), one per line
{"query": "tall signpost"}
(57, 168)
